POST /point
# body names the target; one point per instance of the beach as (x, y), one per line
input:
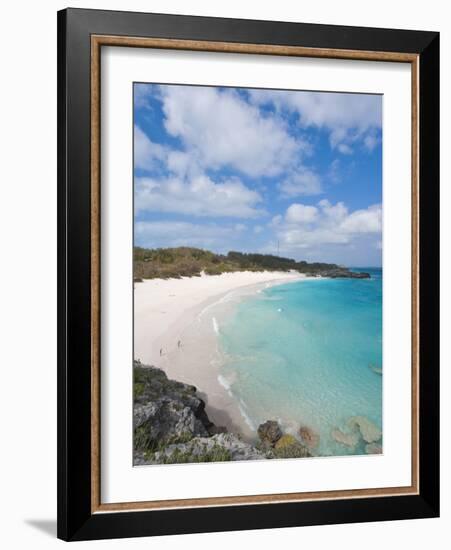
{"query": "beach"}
(175, 329)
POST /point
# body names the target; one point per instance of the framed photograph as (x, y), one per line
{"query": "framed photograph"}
(248, 274)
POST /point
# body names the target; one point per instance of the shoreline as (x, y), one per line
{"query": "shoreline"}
(174, 317)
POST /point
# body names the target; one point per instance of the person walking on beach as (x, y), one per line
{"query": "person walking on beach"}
(161, 352)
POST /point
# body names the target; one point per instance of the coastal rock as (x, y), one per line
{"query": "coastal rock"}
(165, 411)
(171, 426)
(213, 429)
(375, 369)
(373, 449)
(309, 437)
(218, 448)
(166, 421)
(350, 440)
(289, 447)
(151, 384)
(269, 432)
(370, 432)
(361, 275)
(343, 273)
(139, 458)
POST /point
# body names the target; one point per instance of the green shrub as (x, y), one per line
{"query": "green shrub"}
(215, 454)
(138, 389)
(189, 262)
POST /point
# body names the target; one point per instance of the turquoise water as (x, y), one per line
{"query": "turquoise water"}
(302, 353)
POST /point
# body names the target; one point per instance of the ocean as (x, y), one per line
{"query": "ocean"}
(307, 353)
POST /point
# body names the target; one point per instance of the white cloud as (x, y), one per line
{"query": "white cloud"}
(181, 163)
(199, 196)
(155, 234)
(348, 117)
(302, 182)
(276, 221)
(258, 229)
(147, 154)
(141, 94)
(363, 221)
(301, 214)
(334, 171)
(306, 226)
(240, 227)
(220, 129)
(187, 189)
(344, 149)
(333, 213)
(371, 141)
(303, 238)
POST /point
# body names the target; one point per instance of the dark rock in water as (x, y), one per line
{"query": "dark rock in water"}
(289, 447)
(376, 369)
(348, 439)
(369, 431)
(344, 273)
(373, 449)
(309, 437)
(269, 432)
(360, 275)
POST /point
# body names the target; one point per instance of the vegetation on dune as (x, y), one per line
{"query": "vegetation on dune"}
(179, 262)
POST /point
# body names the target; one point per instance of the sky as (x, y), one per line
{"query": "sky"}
(258, 170)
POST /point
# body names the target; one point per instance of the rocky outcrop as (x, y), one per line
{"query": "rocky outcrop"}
(373, 449)
(217, 448)
(376, 369)
(171, 425)
(289, 447)
(343, 273)
(269, 433)
(166, 421)
(275, 444)
(363, 432)
(369, 431)
(309, 437)
(165, 411)
(349, 440)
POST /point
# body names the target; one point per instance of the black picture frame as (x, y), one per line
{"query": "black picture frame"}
(76, 521)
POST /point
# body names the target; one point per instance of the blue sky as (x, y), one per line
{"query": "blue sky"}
(250, 170)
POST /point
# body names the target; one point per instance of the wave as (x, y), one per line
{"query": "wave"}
(244, 414)
(224, 382)
(228, 296)
(241, 405)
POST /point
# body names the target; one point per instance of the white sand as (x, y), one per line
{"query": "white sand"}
(165, 309)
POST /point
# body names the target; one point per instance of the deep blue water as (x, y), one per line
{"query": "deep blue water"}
(303, 353)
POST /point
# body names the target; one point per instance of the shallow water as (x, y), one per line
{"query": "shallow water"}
(307, 353)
